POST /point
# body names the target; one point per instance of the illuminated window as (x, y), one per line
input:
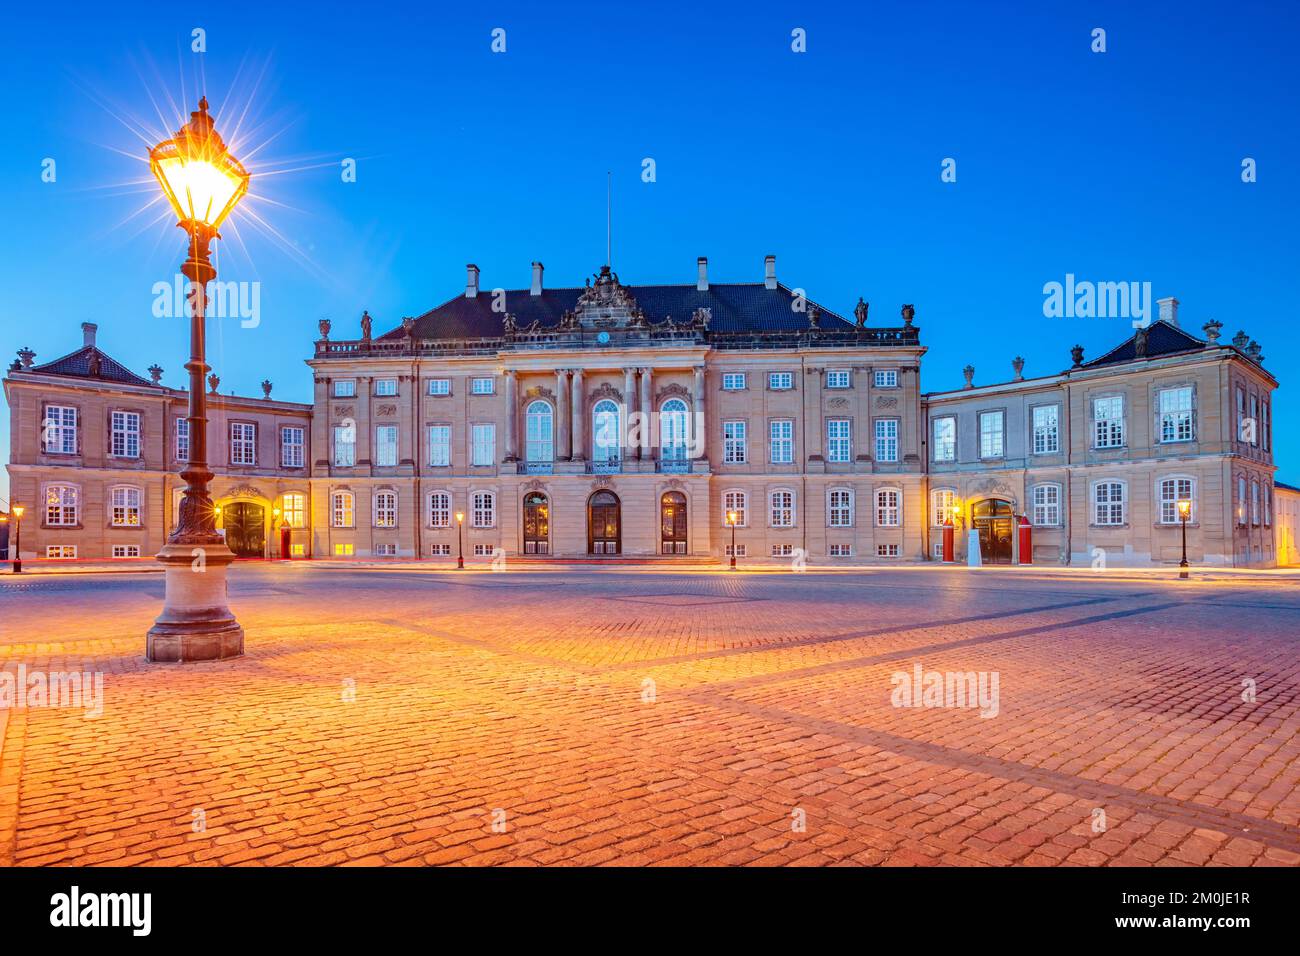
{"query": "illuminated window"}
(125, 504)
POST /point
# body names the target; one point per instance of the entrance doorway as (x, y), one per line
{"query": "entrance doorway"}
(604, 531)
(245, 524)
(672, 523)
(994, 519)
(537, 524)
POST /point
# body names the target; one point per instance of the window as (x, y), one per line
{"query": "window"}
(837, 440)
(944, 505)
(345, 388)
(343, 551)
(782, 509)
(1265, 427)
(485, 509)
(945, 438)
(291, 440)
(1254, 503)
(1268, 504)
(1241, 502)
(243, 443)
(738, 551)
(439, 386)
(887, 439)
(126, 551)
(1176, 414)
(1254, 417)
(483, 550)
(1173, 490)
(297, 550)
(125, 435)
(733, 381)
(1047, 429)
(1242, 431)
(385, 550)
(540, 432)
(1108, 422)
(1108, 503)
(936, 550)
(672, 430)
(734, 451)
(1047, 505)
(605, 432)
(440, 550)
(888, 508)
(125, 507)
(782, 550)
(182, 439)
(992, 438)
(841, 551)
(294, 510)
(61, 503)
(345, 445)
(386, 509)
(439, 446)
(484, 445)
(780, 381)
(386, 446)
(782, 443)
(60, 433)
(482, 386)
(738, 502)
(439, 510)
(62, 551)
(886, 378)
(838, 378)
(886, 550)
(839, 508)
(342, 508)
(385, 386)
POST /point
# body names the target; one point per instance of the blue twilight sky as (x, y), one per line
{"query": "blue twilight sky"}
(1123, 165)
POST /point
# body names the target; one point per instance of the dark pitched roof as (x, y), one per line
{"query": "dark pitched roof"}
(1162, 339)
(78, 365)
(1285, 486)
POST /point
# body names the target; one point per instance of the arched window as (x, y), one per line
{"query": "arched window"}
(1173, 490)
(1108, 502)
(943, 506)
(485, 509)
(839, 508)
(605, 432)
(539, 425)
(781, 507)
(439, 510)
(385, 509)
(736, 502)
(62, 504)
(342, 509)
(672, 430)
(1254, 502)
(125, 504)
(889, 508)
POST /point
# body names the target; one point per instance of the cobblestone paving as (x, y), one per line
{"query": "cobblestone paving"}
(620, 716)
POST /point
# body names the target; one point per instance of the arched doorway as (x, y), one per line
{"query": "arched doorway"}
(672, 523)
(537, 523)
(604, 524)
(245, 524)
(994, 519)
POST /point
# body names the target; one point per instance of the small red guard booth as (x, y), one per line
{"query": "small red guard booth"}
(1026, 542)
(949, 549)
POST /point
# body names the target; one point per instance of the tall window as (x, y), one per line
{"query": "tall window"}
(888, 508)
(385, 386)
(342, 511)
(1173, 490)
(345, 445)
(839, 508)
(1176, 414)
(738, 502)
(887, 439)
(539, 428)
(1254, 502)
(1108, 502)
(1108, 422)
(1242, 434)
(61, 503)
(945, 438)
(345, 388)
(1241, 501)
(992, 437)
(485, 509)
(782, 441)
(1254, 417)
(125, 503)
(1047, 429)
(1047, 505)
(439, 446)
(182, 439)
(734, 449)
(944, 504)
(605, 432)
(60, 433)
(291, 439)
(386, 446)
(837, 440)
(439, 510)
(125, 442)
(672, 430)
(782, 509)
(483, 440)
(386, 509)
(294, 510)
(243, 443)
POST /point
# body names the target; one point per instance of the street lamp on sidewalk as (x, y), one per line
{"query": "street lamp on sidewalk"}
(203, 183)
(1184, 512)
(17, 512)
(731, 520)
(460, 540)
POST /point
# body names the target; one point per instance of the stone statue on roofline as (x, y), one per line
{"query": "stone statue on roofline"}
(860, 312)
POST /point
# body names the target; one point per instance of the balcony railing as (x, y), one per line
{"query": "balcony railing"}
(537, 468)
(612, 466)
(673, 466)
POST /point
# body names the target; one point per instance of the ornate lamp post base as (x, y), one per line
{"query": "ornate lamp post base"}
(196, 623)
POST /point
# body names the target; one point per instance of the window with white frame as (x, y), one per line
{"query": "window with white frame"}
(124, 507)
(1176, 422)
(944, 432)
(1241, 416)
(342, 510)
(482, 386)
(182, 439)
(345, 388)
(734, 450)
(61, 551)
(1254, 503)
(294, 509)
(291, 443)
(886, 439)
(484, 512)
(386, 446)
(483, 443)
(944, 506)
(1172, 491)
(992, 434)
(837, 378)
(1254, 417)
(125, 439)
(385, 550)
(605, 432)
(126, 551)
(483, 550)
(888, 508)
(1241, 501)
(886, 550)
(780, 381)
(345, 445)
(243, 443)
(738, 551)
(838, 443)
(385, 387)
(440, 550)
(439, 446)
(781, 444)
(1108, 422)
(736, 502)
(1047, 429)
(839, 508)
(539, 431)
(672, 430)
(781, 509)
(782, 550)
(385, 509)
(61, 505)
(733, 381)
(1108, 503)
(439, 386)
(886, 378)
(1268, 505)
(439, 509)
(1047, 505)
(841, 551)
(59, 435)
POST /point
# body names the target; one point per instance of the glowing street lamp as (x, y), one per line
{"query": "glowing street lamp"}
(203, 183)
(460, 540)
(17, 512)
(1184, 512)
(732, 518)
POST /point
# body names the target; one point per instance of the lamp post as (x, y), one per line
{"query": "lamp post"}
(203, 183)
(275, 528)
(1184, 512)
(731, 520)
(460, 540)
(17, 512)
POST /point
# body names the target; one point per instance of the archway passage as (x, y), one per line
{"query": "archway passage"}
(245, 524)
(672, 523)
(994, 519)
(537, 524)
(604, 523)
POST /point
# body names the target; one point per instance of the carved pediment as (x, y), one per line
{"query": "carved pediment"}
(672, 390)
(539, 391)
(605, 390)
(606, 304)
(245, 491)
(604, 482)
(534, 484)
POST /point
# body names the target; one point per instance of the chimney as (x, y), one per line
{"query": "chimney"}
(471, 281)
(702, 283)
(88, 330)
(769, 272)
(1168, 310)
(537, 279)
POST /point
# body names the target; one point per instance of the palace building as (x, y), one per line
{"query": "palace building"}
(616, 420)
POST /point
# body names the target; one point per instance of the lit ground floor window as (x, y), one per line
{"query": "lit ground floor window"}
(343, 550)
(60, 550)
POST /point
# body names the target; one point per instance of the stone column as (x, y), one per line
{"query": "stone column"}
(701, 414)
(647, 407)
(512, 416)
(579, 436)
(562, 450)
(630, 406)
